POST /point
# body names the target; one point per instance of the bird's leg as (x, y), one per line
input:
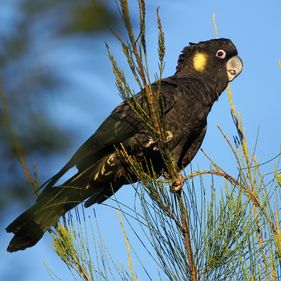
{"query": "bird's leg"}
(178, 182)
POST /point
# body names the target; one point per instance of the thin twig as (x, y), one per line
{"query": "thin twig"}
(18, 149)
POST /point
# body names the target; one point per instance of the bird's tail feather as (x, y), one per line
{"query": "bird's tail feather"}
(51, 204)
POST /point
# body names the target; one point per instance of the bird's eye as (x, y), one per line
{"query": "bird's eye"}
(221, 54)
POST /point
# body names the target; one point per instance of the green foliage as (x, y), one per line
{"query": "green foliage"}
(80, 245)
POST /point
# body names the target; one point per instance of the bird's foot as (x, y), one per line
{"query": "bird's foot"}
(152, 143)
(178, 182)
(169, 136)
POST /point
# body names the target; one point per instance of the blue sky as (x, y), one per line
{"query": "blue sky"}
(254, 27)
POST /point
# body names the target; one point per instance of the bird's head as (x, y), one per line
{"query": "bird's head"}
(216, 60)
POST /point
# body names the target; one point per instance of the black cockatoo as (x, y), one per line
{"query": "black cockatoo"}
(202, 74)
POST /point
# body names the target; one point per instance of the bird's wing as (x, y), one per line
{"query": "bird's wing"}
(120, 125)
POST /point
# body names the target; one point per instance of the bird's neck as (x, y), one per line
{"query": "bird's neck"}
(214, 88)
(211, 89)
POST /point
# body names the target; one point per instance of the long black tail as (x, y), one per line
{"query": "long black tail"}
(55, 201)
(51, 204)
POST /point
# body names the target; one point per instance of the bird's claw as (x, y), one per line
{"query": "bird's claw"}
(149, 143)
(169, 136)
(177, 183)
(152, 142)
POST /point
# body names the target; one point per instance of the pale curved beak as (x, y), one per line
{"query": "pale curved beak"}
(234, 66)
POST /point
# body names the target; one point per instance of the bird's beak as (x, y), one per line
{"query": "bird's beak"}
(234, 67)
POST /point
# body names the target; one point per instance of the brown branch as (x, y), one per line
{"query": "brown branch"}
(171, 214)
(186, 235)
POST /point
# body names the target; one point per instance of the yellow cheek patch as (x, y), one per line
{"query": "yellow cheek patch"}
(200, 61)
